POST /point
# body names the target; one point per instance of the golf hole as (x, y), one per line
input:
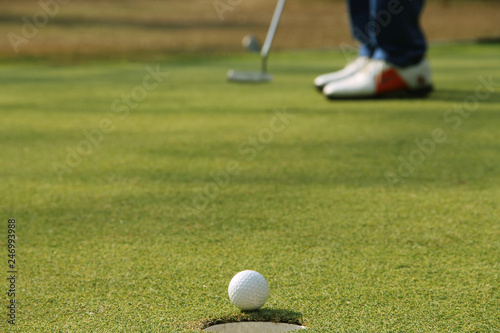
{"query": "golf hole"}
(254, 327)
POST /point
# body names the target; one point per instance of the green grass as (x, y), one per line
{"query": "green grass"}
(118, 245)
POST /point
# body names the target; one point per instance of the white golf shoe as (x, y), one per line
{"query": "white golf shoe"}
(380, 79)
(352, 68)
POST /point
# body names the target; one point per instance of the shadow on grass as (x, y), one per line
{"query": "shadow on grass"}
(460, 95)
(265, 314)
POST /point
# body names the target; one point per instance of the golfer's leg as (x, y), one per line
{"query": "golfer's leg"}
(396, 31)
(359, 13)
(389, 31)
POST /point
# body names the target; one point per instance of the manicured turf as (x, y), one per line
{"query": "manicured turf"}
(202, 179)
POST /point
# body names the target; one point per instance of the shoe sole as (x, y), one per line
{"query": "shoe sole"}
(400, 94)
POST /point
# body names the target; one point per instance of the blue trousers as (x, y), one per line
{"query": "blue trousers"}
(389, 30)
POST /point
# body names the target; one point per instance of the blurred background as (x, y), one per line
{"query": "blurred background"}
(75, 29)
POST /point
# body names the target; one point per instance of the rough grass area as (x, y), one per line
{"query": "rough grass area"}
(138, 195)
(147, 29)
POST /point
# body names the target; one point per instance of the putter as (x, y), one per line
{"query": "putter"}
(263, 75)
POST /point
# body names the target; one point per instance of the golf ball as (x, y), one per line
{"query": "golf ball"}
(251, 43)
(248, 290)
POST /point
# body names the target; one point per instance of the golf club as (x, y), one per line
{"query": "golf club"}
(263, 75)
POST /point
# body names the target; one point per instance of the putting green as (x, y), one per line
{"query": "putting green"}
(138, 194)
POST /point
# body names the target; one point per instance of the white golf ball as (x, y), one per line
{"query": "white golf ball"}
(251, 43)
(248, 290)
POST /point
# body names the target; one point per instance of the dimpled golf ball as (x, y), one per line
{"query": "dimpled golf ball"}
(248, 290)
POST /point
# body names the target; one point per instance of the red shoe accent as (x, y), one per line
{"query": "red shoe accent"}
(389, 81)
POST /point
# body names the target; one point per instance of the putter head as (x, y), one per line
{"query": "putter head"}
(250, 77)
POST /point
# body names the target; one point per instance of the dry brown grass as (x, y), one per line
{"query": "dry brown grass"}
(148, 27)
